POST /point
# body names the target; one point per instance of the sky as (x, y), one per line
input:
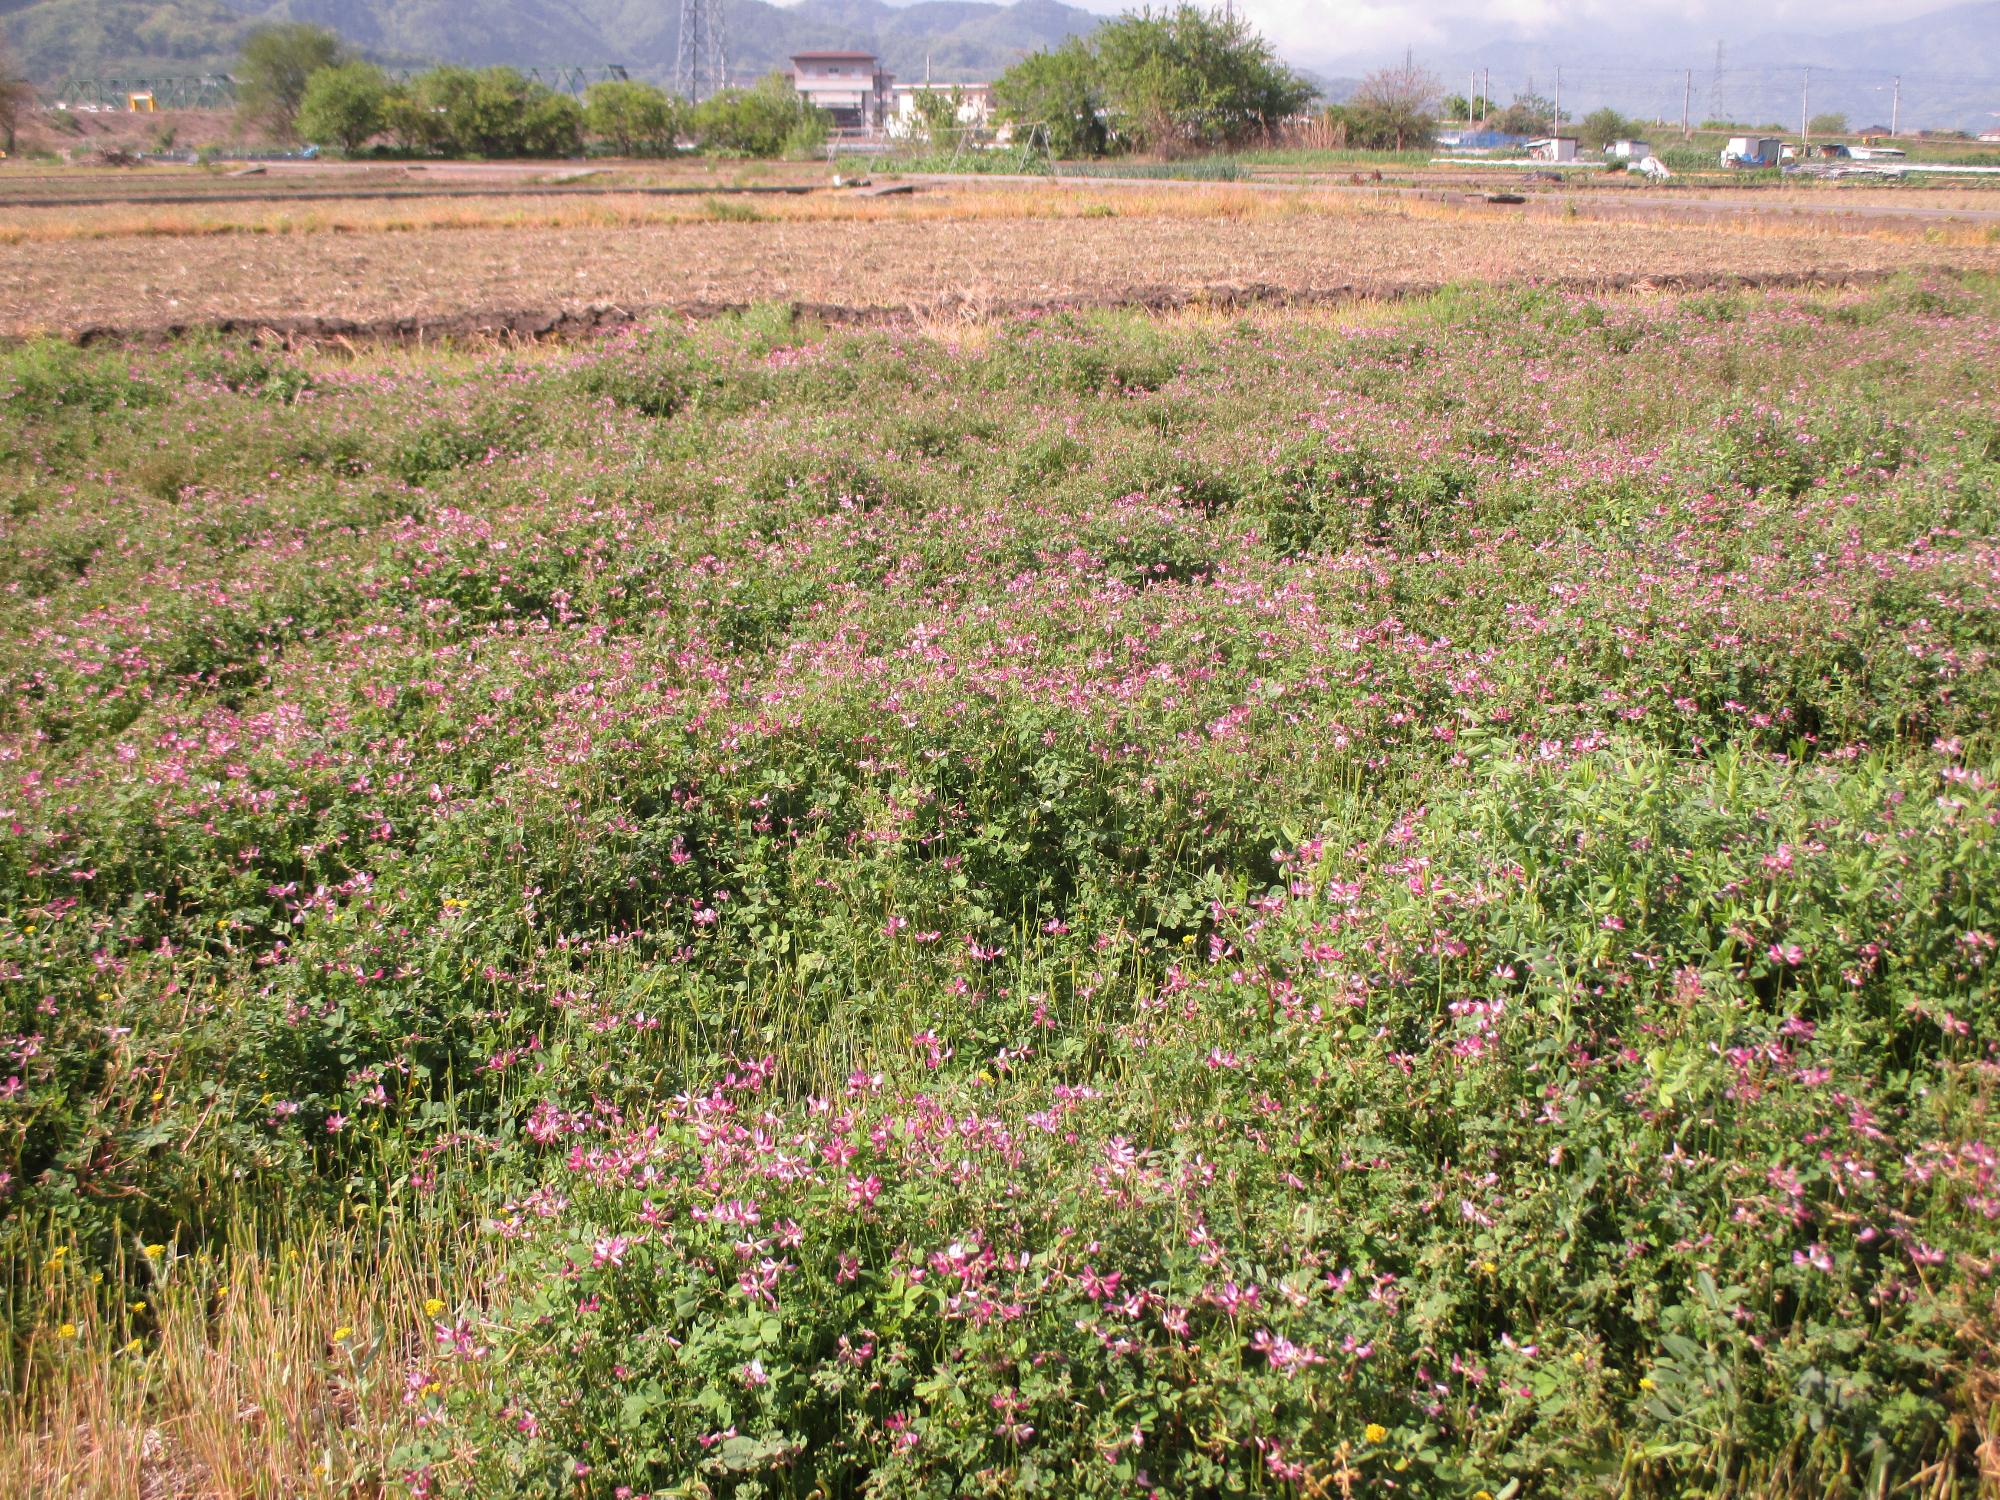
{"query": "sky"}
(1355, 34)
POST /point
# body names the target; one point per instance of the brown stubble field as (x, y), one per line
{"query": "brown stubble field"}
(1000, 245)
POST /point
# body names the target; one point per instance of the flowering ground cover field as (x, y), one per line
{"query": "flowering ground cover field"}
(1401, 905)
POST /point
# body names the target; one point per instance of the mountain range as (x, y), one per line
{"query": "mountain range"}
(1948, 60)
(963, 39)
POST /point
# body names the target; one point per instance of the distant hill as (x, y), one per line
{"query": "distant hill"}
(1949, 61)
(52, 38)
(963, 39)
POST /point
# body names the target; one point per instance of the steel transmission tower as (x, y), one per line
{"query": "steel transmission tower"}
(701, 63)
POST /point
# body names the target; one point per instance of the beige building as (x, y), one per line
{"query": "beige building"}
(851, 86)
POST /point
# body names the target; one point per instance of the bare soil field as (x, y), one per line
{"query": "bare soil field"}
(969, 246)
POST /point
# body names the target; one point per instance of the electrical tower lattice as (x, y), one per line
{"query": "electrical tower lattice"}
(701, 63)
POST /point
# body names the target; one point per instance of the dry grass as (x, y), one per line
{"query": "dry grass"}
(1879, 215)
(987, 245)
(622, 211)
(246, 1374)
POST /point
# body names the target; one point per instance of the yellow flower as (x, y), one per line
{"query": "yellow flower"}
(137, 1307)
(134, 1347)
(154, 1252)
(1374, 1432)
(1488, 1267)
(223, 1290)
(432, 1307)
(158, 1095)
(1482, 1495)
(222, 921)
(97, 1278)
(1646, 1383)
(67, 1331)
(342, 1333)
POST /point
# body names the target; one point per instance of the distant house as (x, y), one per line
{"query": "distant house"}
(853, 87)
(1628, 150)
(1553, 148)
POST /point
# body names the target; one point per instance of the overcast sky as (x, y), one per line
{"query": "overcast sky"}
(1351, 34)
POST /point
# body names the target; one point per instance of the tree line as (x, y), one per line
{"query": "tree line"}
(297, 82)
(1181, 81)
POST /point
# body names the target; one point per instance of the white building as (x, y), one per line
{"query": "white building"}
(853, 87)
(1628, 150)
(1553, 148)
(1753, 151)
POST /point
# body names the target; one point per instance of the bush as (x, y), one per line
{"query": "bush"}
(769, 119)
(344, 106)
(492, 112)
(633, 119)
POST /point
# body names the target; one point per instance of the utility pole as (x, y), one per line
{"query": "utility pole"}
(1559, 101)
(1687, 98)
(1485, 96)
(1896, 105)
(1471, 93)
(1805, 118)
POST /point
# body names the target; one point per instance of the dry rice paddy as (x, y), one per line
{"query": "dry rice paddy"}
(136, 266)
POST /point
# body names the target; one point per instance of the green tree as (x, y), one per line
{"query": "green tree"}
(1061, 91)
(344, 105)
(1169, 81)
(273, 69)
(768, 119)
(1529, 114)
(1603, 126)
(937, 114)
(1193, 79)
(413, 122)
(1828, 124)
(633, 118)
(17, 97)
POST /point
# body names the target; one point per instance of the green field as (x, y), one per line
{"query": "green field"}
(1389, 903)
